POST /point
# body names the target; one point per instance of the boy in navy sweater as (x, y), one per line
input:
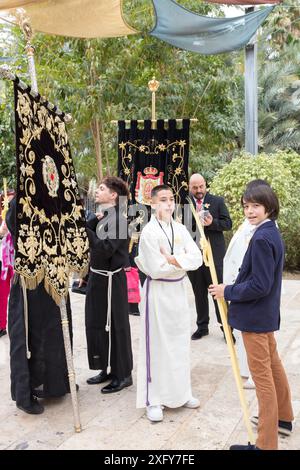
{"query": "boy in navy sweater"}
(255, 310)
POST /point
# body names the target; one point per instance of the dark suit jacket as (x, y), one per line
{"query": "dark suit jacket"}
(255, 295)
(221, 222)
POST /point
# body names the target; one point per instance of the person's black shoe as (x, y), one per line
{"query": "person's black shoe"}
(35, 408)
(241, 447)
(79, 290)
(99, 379)
(136, 314)
(3, 332)
(199, 334)
(39, 393)
(284, 427)
(116, 385)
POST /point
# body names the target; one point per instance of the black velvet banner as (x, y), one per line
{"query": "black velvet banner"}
(149, 157)
(51, 235)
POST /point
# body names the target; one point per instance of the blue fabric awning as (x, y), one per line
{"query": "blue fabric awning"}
(187, 30)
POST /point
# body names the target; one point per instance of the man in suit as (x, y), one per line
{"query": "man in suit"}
(216, 219)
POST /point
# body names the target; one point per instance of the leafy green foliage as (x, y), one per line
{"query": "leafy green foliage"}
(282, 171)
(101, 80)
(283, 26)
(106, 79)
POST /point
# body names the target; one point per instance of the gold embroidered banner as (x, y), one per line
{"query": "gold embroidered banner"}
(51, 235)
(149, 157)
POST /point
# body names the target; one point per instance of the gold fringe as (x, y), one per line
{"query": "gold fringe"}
(84, 271)
(32, 282)
(53, 293)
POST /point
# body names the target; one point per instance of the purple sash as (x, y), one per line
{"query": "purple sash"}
(147, 327)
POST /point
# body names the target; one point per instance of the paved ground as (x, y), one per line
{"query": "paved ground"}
(113, 422)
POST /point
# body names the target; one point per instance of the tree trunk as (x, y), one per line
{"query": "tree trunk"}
(97, 143)
(104, 148)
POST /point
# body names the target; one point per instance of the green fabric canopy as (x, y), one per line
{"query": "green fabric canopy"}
(187, 30)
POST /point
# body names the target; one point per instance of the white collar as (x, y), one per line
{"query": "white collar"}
(162, 222)
(261, 223)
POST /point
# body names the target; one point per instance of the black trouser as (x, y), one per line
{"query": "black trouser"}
(143, 277)
(200, 280)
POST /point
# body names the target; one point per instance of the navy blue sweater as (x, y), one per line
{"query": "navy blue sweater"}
(255, 295)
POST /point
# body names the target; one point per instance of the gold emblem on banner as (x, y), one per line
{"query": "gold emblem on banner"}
(50, 175)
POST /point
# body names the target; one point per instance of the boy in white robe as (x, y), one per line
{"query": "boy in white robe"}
(166, 252)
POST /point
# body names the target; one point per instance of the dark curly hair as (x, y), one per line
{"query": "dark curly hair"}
(117, 185)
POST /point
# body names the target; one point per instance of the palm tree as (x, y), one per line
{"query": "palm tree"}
(279, 101)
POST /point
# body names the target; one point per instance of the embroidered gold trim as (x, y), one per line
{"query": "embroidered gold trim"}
(48, 248)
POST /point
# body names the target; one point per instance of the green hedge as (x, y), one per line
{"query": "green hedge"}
(282, 171)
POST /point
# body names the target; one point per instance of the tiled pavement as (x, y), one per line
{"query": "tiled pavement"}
(113, 422)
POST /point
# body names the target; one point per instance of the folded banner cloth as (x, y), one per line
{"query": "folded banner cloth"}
(187, 30)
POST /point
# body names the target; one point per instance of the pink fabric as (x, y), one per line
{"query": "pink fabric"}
(199, 204)
(133, 286)
(7, 248)
(4, 293)
(7, 272)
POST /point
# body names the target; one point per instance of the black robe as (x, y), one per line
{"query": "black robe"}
(110, 252)
(46, 370)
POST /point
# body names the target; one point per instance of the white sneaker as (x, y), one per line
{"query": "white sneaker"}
(154, 413)
(192, 403)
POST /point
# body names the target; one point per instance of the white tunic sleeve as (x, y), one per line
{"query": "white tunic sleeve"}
(150, 260)
(191, 258)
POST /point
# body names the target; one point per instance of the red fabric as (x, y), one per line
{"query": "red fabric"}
(133, 286)
(4, 293)
(199, 204)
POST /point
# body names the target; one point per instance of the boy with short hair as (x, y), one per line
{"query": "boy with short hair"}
(255, 310)
(166, 252)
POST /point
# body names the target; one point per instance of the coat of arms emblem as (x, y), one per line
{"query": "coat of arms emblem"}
(50, 176)
(145, 183)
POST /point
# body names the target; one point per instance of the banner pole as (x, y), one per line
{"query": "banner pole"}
(25, 25)
(153, 86)
(70, 364)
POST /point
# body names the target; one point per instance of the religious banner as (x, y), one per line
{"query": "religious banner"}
(149, 157)
(51, 236)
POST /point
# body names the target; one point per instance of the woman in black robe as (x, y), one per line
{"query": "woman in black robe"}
(45, 374)
(109, 252)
